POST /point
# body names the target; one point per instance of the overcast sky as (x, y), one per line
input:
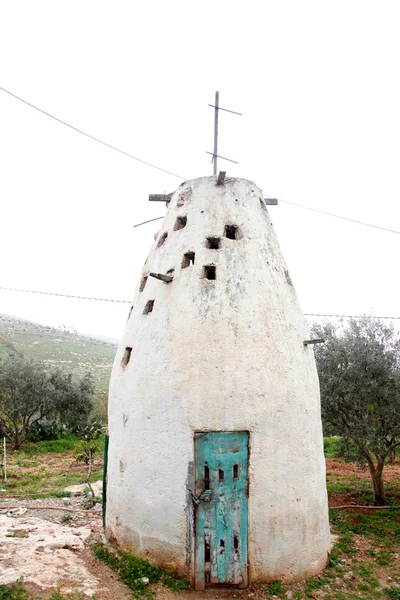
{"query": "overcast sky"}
(317, 83)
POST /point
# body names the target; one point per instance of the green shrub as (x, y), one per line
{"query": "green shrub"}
(132, 569)
(331, 446)
(392, 593)
(274, 588)
(14, 591)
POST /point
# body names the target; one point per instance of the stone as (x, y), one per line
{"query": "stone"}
(83, 488)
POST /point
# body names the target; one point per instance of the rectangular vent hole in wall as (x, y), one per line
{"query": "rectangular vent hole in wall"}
(162, 239)
(149, 307)
(220, 475)
(262, 203)
(232, 232)
(180, 223)
(127, 356)
(235, 471)
(206, 477)
(207, 549)
(210, 272)
(188, 260)
(143, 283)
(213, 243)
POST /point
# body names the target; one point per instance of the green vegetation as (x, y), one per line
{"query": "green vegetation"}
(90, 445)
(71, 352)
(33, 394)
(17, 591)
(275, 588)
(359, 372)
(45, 469)
(132, 570)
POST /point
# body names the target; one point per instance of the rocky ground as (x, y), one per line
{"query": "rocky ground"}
(48, 545)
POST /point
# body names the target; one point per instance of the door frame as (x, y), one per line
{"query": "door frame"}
(199, 579)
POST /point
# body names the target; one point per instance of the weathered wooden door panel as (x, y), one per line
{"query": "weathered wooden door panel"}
(221, 515)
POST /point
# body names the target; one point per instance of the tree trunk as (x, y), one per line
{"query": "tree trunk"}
(377, 481)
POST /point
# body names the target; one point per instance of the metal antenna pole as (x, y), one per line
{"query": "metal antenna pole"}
(215, 154)
(216, 132)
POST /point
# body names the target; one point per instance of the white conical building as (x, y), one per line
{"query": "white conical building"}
(215, 464)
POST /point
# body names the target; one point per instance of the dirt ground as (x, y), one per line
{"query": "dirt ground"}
(50, 547)
(342, 469)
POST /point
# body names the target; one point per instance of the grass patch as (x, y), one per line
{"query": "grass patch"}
(392, 593)
(132, 569)
(14, 591)
(45, 469)
(59, 446)
(275, 588)
(17, 591)
(47, 484)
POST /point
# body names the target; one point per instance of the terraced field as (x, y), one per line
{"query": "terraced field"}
(70, 351)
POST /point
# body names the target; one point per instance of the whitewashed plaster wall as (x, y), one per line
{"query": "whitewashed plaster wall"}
(217, 355)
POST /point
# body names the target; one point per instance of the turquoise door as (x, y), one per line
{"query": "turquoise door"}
(221, 514)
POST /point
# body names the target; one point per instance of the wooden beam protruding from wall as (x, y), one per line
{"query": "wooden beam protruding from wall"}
(221, 177)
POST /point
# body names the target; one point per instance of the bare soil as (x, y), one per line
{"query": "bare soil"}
(343, 469)
(107, 585)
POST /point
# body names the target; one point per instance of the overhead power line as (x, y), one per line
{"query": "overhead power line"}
(180, 176)
(92, 137)
(129, 302)
(350, 316)
(64, 295)
(149, 221)
(323, 212)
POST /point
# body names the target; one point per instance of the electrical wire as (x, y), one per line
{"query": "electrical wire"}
(149, 221)
(64, 295)
(323, 212)
(180, 176)
(128, 302)
(92, 137)
(350, 316)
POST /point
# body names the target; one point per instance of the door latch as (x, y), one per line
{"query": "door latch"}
(196, 501)
(206, 496)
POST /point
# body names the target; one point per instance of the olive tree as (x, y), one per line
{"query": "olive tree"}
(30, 393)
(359, 372)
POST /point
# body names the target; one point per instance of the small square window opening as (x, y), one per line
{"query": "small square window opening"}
(188, 260)
(180, 223)
(143, 283)
(213, 243)
(232, 232)
(210, 272)
(127, 356)
(162, 239)
(149, 307)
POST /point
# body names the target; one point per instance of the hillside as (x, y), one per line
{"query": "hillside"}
(70, 351)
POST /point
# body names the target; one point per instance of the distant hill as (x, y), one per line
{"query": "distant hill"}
(70, 351)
